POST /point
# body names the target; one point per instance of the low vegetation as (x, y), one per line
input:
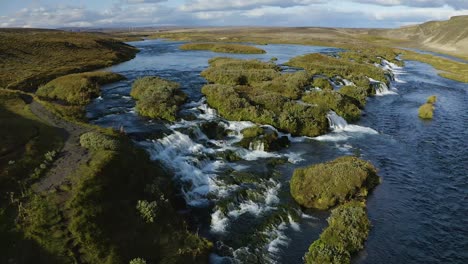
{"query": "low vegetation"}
(357, 72)
(98, 141)
(426, 111)
(322, 83)
(157, 97)
(260, 138)
(33, 57)
(257, 91)
(223, 48)
(447, 68)
(27, 148)
(348, 227)
(341, 104)
(327, 184)
(109, 218)
(78, 88)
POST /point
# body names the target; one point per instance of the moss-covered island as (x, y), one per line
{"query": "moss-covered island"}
(426, 111)
(298, 102)
(348, 227)
(78, 88)
(223, 48)
(331, 183)
(157, 97)
(344, 183)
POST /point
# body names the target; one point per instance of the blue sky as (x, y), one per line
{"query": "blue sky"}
(123, 13)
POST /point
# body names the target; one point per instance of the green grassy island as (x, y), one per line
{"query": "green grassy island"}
(157, 98)
(223, 48)
(344, 183)
(78, 88)
(348, 227)
(426, 111)
(327, 184)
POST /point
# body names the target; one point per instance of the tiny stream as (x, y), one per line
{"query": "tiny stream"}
(419, 212)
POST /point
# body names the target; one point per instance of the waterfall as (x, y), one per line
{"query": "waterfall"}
(380, 87)
(257, 145)
(335, 121)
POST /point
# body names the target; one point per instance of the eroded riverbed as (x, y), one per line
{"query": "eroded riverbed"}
(418, 212)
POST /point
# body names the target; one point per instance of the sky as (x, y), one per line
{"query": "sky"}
(134, 13)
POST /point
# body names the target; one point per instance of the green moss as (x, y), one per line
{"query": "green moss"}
(77, 88)
(32, 57)
(356, 93)
(24, 139)
(223, 48)
(426, 111)
(157, 97)
(98, 141)
(335, 101)
(324, 185)
(322, 83)
(290, 85)
(262, 138)
(431, 99)
(319, 64)
(256, 91)
(240, 103)
(348, 227)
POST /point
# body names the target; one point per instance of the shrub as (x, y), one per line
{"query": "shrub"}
(319, 64)
(137, 261)
(431, 99)
(426, 111)
(348, 228)
(324, 185)
(78, 88)
(290, 85)
(335, 101)
(322, 83)
(157, 98)
(147, 210)
(223, 47)
(259, 138)
(357, 93)
(98, 141)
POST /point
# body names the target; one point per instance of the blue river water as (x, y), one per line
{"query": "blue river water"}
(418, 213)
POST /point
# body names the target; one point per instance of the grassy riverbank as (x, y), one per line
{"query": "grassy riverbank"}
(32, 57)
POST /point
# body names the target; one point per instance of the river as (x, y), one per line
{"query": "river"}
(419, 211)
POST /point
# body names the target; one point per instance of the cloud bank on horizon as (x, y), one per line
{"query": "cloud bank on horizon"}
(129, 13)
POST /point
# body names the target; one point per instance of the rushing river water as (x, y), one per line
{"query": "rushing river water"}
(419, 212)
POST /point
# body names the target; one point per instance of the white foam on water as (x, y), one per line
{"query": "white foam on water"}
(294, 157)
(219, 222)
(294, 225)
(280, 239)
(341, 130)
(250, 207)
(306, 216)
(271, 197)
(382, 88)
(208, 113)
(100, 98)
(257, 146)
(180, 153)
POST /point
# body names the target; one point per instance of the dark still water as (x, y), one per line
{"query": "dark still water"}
(419, 212)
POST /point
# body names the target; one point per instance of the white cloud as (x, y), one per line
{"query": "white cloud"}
(233, 13)
(457, 4)
(218, 5)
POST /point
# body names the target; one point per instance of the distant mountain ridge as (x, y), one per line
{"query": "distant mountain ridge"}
(448, 36)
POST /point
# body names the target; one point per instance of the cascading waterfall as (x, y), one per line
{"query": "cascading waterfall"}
(257, 146)
(336, 122)
(381, 88)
